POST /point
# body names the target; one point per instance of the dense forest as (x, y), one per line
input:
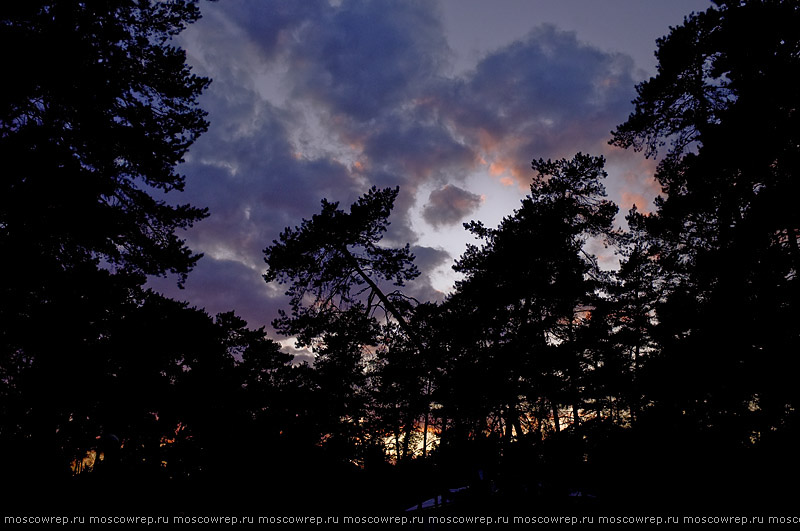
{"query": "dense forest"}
(669, 381)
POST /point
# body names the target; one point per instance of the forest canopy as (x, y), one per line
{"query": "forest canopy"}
(541, 374)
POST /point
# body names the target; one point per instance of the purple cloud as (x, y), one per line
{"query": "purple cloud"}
(317, 99)
(546, 96)
(363, 59)
(223, 285)
(450, 205)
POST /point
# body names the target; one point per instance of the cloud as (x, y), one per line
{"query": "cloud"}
(321, 99)
(635, 182)
(449, 205)
(631, 199)
(415, 149)
(366, 58)
(428, 260)
(224, 285)
(548, 95)
(273, 26)
(246, 172)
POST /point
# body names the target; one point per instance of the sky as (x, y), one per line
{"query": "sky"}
(450, 100)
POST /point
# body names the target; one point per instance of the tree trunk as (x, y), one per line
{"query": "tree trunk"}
(509, 423)
(406, 437)
(397, 445)
(425, 435)
(635, 397)
(791, 235)
(556, 420)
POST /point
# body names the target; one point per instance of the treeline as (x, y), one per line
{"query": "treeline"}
(670, 378)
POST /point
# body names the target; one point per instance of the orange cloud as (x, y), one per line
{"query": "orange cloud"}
(496, 169)
(522, 174)
(509, 174)
(356, 145)
(639, 173)
(486, 140)
(631, 198)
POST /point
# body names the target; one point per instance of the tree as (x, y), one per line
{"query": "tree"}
(529, 287)
(405, 381)
(331, 257)
(195, 401)
(727, 228)
(101, 110)
(334, 264)
(634, 293)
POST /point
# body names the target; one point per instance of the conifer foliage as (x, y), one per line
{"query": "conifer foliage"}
(540, 374)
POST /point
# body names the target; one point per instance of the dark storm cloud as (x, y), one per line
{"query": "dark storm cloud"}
(548, 95)
(427, 260)
(274, 24)
(549, 75)
(450, 205)
(366, 58)
(415, 149)
(249, 176)
(224, 285)
(367, 100)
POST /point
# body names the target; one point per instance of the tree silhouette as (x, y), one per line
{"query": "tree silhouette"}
(334, 265)
(332, 257)
(726, 225)
(725, 233)
(101, 110)
(527, 287)
(406, 379)
(540, 369)
(635, 291)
